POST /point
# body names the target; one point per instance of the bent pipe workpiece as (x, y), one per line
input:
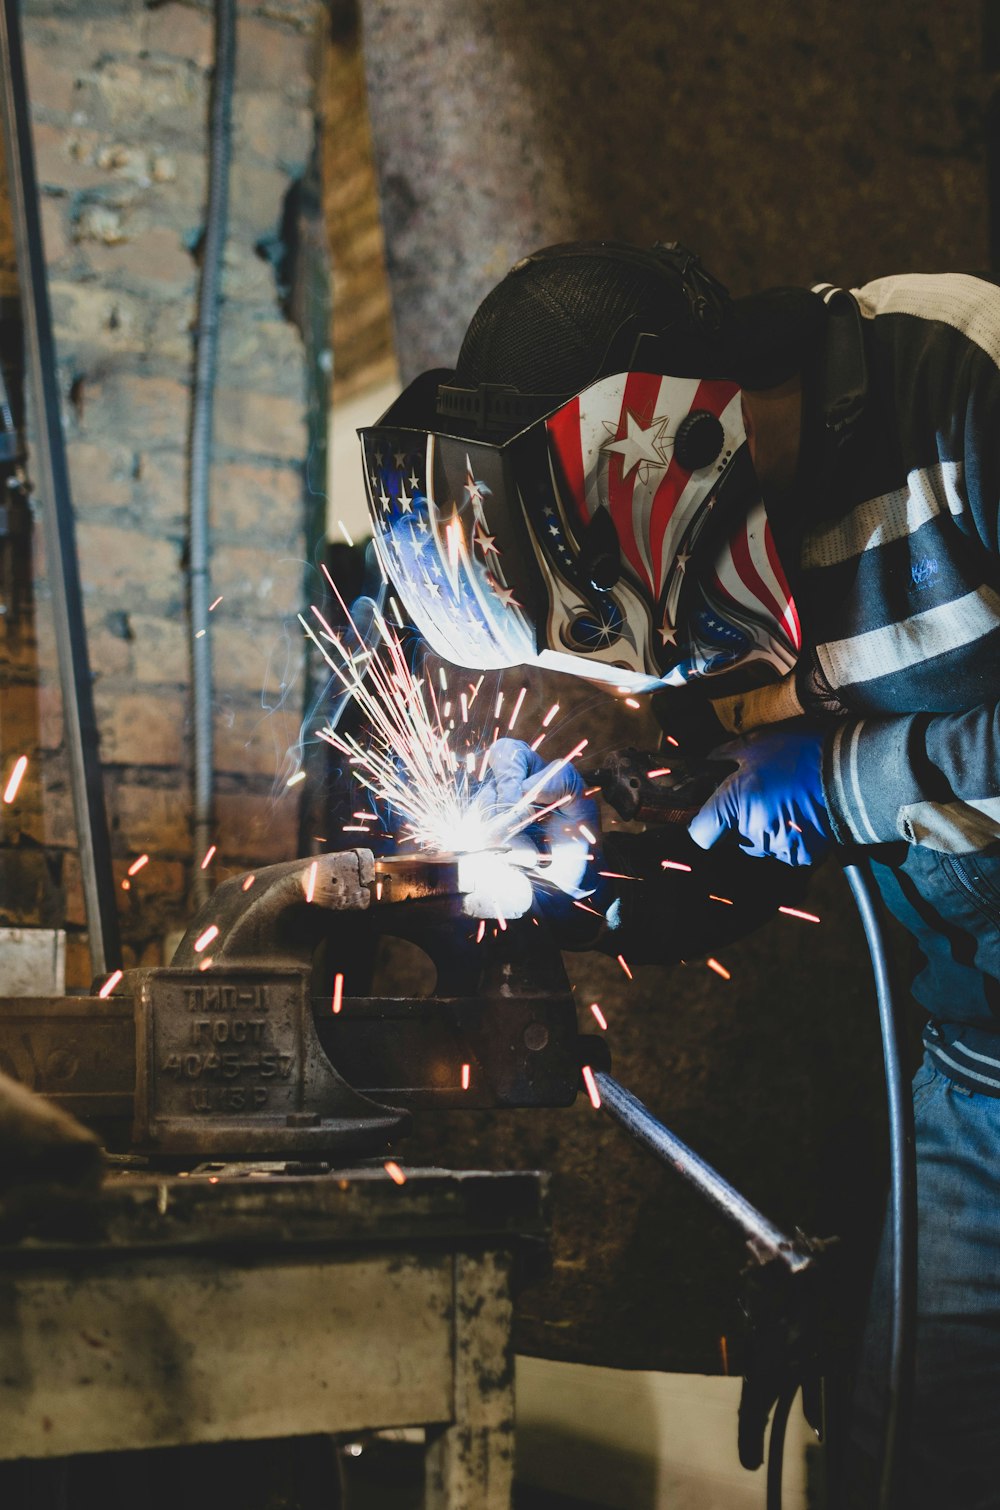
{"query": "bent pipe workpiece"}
(764, 1239)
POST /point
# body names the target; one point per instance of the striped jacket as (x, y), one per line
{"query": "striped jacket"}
(899, 593)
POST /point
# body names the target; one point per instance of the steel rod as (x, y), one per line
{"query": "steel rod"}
(764, 1237)
(51, 486)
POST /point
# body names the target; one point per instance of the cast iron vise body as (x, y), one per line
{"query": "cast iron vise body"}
(235, 1049)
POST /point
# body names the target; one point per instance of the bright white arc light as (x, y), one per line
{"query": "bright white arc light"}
(493, 885)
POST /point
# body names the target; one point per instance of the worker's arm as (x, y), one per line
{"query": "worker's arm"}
(931, 779)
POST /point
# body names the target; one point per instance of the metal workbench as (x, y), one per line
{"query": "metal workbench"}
(238, 1304)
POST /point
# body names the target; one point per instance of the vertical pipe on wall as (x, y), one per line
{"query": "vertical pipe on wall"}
(199, 455)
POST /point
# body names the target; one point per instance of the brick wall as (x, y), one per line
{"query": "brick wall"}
(120, 94)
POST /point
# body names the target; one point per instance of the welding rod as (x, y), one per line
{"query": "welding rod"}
(764, 1238)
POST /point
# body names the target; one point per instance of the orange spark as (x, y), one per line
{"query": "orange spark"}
(624, 965)
(673, 865)
(672, 741)
(206, 963)
(537, 742)
(209, 853)
(713, 898)
(16, 775)
(480, 930)
(110, 983)
(794, 912)
(724, 1355)
(213, 606)
(585, 831)
(632, 702)
(394, 1172)
(713, 964)
(294, 779)
(466, 1075)
(248, 882)
(378, 891)
(338, 992)
(517, 707)
(602, 1021)
(137, 865)
(126, 884)
(310, 886)
(618, 875)
(550, 715)
(663, 770)
(591, 1084)
(503, 924)
(202, 942)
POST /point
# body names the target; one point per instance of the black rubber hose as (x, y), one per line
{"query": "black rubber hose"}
(776, 1447)
(902, 1203)
(200, 450)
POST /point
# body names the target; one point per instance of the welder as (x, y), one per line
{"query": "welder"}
(778, 515)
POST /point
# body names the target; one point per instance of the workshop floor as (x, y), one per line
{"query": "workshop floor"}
(390, 1474)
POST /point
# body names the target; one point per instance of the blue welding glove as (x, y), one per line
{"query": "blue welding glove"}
(774, 800)
(519, 784)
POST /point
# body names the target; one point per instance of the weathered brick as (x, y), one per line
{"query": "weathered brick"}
(108, 317)
(265, 355)
(160, 649)
(273, 57)
(100, 475)
(155, 259)
(260, 424)
(52, 73)
(161, 489)
(30, 887)
(255, 830)
(274, 128)
(182, 32)
(246, 276)
(262, 659)
(110, 654)
(123, 93)
(250, 740)
(258, 195)
(260, 583)
(30, 720)
(129, 569)
(141, 728)
(146, 410)
(64, 159)
(55, 237)
(170, 333)
(266, 500)
(153, 819)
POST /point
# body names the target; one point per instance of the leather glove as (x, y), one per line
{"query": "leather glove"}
(520, 786)
(773, 800)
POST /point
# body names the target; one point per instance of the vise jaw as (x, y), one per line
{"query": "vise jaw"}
(227, 1058)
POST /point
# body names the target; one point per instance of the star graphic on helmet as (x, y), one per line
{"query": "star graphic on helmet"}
(505, 594)
(640, 448)
(484, 542)
(405, 503)
(477, 491)
(668, 635)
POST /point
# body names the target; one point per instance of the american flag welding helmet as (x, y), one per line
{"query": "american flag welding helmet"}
(618, 534)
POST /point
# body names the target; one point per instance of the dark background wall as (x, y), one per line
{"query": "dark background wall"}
(786, 143)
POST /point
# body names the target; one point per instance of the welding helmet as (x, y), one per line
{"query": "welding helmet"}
(579, 493)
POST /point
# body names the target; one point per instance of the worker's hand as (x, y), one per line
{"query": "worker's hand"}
(543, 801)
(773, 800)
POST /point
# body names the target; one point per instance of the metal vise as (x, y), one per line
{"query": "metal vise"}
(238, 1050)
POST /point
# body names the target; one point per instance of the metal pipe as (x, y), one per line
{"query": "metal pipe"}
(51, 477)
(764, 1238)
(200, 449)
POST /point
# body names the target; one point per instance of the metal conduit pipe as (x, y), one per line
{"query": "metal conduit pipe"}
(200, 445)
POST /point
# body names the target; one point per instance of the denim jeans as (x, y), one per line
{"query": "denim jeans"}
(954, 1454)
